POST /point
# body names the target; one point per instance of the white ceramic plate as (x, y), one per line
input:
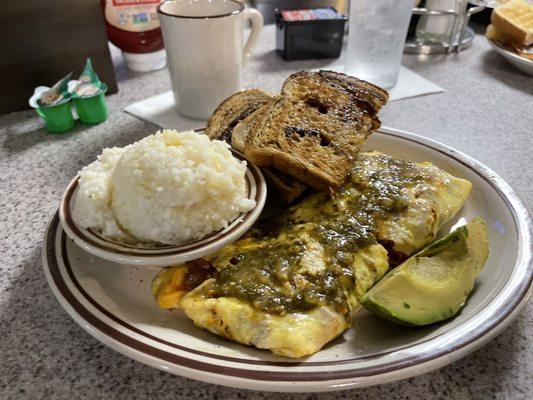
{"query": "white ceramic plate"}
(522, 63)
(114, 304)
(163, 255)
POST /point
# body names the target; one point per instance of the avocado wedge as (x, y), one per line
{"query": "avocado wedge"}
(433, 284)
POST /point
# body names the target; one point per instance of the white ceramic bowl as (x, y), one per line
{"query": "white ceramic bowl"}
(164, 255)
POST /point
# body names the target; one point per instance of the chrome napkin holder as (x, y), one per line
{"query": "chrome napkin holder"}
(460, 38)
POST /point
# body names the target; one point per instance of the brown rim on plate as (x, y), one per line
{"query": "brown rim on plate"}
(95, 240)
(218, 369)
(511, 52)
(520, 293)
(92, 301)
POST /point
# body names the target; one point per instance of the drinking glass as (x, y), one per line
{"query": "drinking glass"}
(377, 33)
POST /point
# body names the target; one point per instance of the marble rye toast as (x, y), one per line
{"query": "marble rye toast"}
(288, 188)
(232, 121)
(232, 111)
(249, 124)
(315, 130)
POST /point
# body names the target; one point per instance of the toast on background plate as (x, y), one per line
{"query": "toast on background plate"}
(512, 26)
(315, 130)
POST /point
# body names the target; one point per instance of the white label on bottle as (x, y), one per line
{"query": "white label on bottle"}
(132, 15)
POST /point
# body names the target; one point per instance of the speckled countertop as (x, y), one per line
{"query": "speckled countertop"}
(486, 112)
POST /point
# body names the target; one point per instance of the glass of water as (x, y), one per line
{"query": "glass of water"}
(377, 33)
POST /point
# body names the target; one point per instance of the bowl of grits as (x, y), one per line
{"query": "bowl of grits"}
(169, 198)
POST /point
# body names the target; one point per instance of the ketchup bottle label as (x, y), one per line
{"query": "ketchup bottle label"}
(132, 15)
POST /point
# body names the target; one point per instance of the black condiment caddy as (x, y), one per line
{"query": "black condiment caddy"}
(307, 39)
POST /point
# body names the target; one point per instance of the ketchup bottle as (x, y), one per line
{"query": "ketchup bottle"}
(133, 26)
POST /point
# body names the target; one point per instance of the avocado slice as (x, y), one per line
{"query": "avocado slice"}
(433, 284)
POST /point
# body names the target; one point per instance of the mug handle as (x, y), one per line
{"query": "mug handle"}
(256, 19)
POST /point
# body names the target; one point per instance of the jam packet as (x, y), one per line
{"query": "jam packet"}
(57, 94)
(88, 84)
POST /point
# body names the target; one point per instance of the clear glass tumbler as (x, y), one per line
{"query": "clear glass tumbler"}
(377, 33)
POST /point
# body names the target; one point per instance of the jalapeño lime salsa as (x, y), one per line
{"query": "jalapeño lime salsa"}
(270, 275)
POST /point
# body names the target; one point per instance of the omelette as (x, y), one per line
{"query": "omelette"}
(293, 283)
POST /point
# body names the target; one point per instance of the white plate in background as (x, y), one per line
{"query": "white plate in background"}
(523, 64)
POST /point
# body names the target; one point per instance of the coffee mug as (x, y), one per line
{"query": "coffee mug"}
(204, 45)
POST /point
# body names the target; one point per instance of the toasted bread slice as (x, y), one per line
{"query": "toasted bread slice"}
(362, 91)
(314, 132)
(249, 124)
(288, 188)
(232, 111)
(494, 34)
(513, 23)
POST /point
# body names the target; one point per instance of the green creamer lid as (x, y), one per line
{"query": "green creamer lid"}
(88, 84)
(54, 107)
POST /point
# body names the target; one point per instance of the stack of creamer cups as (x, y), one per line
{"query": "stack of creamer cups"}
(87, 96)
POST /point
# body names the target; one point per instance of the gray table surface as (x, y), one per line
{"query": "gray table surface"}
(486, 111)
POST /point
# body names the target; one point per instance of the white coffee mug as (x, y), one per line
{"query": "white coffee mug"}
(205, 52)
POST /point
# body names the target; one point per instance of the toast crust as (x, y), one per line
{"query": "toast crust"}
(249, 124)
(288, 188)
